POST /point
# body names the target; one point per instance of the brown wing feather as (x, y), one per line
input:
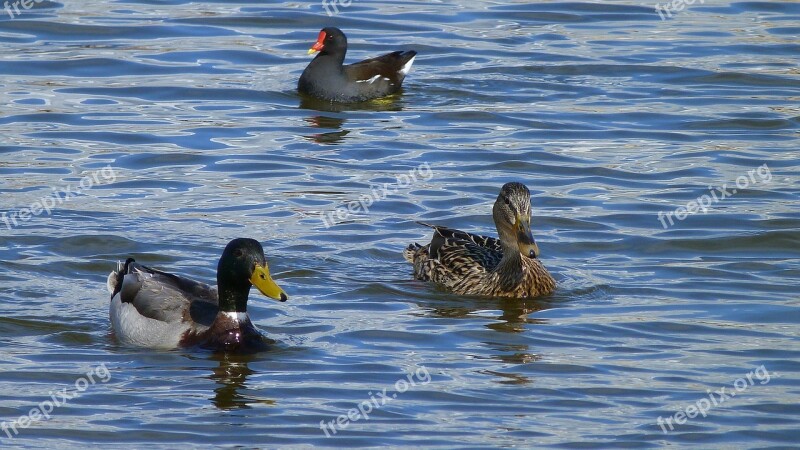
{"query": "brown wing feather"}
(386, 66)
(454, 257)
(454, 235)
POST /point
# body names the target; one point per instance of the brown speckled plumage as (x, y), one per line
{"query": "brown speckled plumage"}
(466, 263)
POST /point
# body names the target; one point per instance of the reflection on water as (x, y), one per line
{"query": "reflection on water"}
(336, 122)
(393, 102)
(232, 375)
(514, 314)
(328, 122)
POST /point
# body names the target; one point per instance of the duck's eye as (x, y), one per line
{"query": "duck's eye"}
(507, 201)
(238, 253)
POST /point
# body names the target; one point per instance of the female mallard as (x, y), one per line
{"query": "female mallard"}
(469, 264)
(151, 308)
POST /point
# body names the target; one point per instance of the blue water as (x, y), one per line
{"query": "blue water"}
(182, 122)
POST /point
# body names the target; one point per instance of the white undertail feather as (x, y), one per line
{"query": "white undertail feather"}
(111, 282)
(407, 66)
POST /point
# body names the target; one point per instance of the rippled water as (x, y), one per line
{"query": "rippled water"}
(186, 116)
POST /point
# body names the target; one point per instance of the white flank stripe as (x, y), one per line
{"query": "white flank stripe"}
(370, 81)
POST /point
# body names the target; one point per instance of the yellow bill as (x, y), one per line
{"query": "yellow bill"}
(264, 283)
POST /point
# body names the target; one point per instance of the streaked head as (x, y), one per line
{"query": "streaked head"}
(512, 216)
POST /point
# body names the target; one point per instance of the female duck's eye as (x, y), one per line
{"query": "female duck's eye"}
(508, 202)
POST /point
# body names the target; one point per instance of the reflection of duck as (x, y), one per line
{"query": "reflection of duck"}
(151, 308)
(332, 123)
(466, 263)
(513, 318)
(326, 122)
(391, 103)
(514, 313)
(232, 374)
(327, 78)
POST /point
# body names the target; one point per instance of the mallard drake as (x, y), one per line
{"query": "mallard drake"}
(156, 309)
(327, 78)
(470, 264)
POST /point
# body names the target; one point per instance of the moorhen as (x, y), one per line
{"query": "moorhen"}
(327, 78)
